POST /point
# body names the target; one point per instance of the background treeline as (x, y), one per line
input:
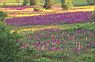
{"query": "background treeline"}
(41, 2)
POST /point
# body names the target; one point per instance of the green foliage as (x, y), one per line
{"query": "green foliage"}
(67, 4)
(91, 2)
(34, 2)
(2, 15)
(28, 58)
(29, 54)
(43, 59)
(90, 25)
(88, 56)
(9, 47)
(30, 50)
(52, 54)
(48, 4)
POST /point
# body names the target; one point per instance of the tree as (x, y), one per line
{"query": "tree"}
(66, 4)
(25, 2)
(63, 2)
(33, 2)
(36, 4)
(91, 2)
(48, 4)
(9, 46)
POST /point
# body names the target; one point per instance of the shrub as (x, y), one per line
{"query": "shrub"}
(9, 47)
(2, 15)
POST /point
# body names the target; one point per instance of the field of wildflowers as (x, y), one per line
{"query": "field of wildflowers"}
(55, 43)
(57, 39)
(56, 36)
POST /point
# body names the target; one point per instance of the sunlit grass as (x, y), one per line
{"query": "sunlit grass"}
(34, 28)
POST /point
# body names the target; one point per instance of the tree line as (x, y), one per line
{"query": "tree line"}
(48, 3)
(65, 4)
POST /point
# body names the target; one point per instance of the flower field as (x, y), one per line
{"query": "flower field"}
(57, 39)
(59, 36)
(61, 18)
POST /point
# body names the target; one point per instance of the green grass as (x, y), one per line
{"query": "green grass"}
(64, 26)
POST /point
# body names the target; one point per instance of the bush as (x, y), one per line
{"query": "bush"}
(2, 15)
(9, 47)
(67, 6)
